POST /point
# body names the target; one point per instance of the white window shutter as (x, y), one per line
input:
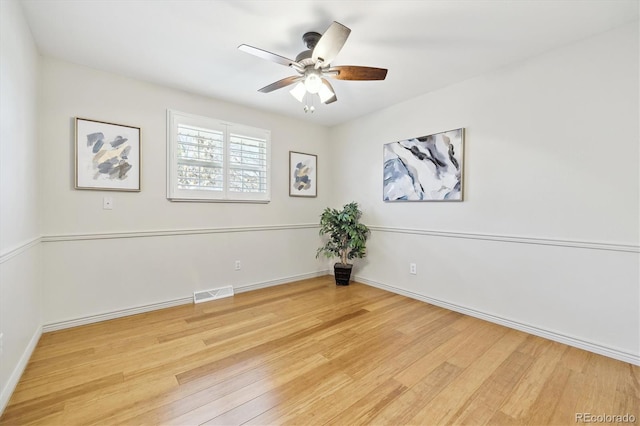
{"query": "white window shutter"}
(210, 160)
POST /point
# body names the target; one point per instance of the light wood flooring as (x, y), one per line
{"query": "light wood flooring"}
(311, 353)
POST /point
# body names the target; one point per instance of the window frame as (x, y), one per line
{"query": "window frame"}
(174, 193)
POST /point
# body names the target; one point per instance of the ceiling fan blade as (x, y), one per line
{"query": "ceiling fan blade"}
(280, 84)
(330, 43)
(269, 56)
(352, 72)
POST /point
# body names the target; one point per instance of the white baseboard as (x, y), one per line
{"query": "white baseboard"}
(11, 384)
(264, 284)
(547, 334)
(168, 304)
(115, 314)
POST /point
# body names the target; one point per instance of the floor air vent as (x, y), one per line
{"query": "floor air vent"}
(213, 294)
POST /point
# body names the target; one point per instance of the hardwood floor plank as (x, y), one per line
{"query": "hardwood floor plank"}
(406, 406)
(166, 405)
(284, 387)
(487, 399)
(110, 401)
(40, 367)
(301, 393)
(369, 405)
(628, 387)
(340, 399)
(53, 402)
(529, 388)
(598, 396)
(444, 407)
(476, 345)
(575, 359)
(205, 405)
(313, 353)
(127, 362)
(541, 410)
(500, 418)
(567, 407)
(28, 415)
(482, 335)
(237, 374)
(207, 330)
(233, 377)
(217, 350)
(209, 368)
(243, 413)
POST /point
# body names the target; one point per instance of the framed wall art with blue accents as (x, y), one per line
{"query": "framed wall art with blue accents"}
(303, 174)
(107, 156)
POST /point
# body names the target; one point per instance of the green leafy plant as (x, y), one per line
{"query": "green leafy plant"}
(346, 235)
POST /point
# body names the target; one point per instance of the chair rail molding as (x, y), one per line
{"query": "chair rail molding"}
(593, 245)
(11, 253)
(174, 232)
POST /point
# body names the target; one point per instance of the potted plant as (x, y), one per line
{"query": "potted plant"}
(346, 238)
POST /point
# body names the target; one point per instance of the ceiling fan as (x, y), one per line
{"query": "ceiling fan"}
(314, 64)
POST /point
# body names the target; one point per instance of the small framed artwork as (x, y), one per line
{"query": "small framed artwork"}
(107, 156)
(426, 168)
(303, 168)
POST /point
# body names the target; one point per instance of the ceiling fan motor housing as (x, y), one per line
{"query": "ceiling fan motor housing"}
(311, 39)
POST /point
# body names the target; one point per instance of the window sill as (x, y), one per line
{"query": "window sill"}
(192, 200)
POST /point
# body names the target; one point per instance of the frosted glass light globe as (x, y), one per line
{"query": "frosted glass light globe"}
(313, 83)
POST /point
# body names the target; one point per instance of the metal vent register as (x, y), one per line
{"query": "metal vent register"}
(213, 294)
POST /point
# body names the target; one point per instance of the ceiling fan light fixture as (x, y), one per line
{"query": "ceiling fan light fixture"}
(298, 91)
(312, 83)
(325, 93)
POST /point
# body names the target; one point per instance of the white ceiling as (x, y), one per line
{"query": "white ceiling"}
(426, 45)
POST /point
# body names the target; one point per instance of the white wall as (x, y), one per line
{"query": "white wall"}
(20, 299)
(147, 249)
(547, 237)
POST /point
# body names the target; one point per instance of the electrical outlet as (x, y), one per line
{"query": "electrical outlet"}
(237, 265)
(107, 203)
(413, 269)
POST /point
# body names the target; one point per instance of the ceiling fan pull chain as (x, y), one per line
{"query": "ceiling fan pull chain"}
(306, 102)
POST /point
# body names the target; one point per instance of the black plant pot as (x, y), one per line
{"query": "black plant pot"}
(342, 272)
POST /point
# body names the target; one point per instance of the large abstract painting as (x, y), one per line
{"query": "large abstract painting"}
(107, 156)
(426, 168)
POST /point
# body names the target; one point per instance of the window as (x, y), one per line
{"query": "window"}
(212, 160)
